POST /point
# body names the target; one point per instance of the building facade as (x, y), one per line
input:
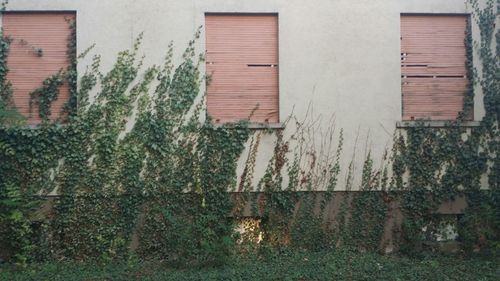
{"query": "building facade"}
(368, 67)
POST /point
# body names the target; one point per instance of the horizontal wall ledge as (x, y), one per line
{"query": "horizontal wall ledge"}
(246, 204)
(256, 126)
(435, 124)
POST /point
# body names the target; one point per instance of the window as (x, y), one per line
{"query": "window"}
(433, 72)
(38, 50)
(242, 62)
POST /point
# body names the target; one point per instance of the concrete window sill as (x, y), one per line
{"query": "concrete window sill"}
(434, 124)
(260, 126)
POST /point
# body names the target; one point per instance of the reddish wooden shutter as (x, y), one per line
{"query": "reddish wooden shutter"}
(433, 68)
(27, 70)
(242, 59)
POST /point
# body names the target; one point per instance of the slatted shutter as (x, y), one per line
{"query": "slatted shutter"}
(242, 60)
(30, 32)
(433, 71)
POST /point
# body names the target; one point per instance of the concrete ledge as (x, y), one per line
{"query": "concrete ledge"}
(257, 126)
(435, 124)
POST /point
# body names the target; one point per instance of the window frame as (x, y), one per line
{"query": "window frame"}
(74, 13)
(253, 125)
(468, 122)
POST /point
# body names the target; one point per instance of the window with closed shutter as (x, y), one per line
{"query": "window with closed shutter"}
(433, 71)
(242, 63)
(38, 50)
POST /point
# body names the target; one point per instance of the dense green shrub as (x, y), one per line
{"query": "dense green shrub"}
(336, 265)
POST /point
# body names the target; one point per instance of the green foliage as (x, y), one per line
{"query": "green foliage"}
(368, 212)
(44, 96)
(307, 230)
(5, 86)
(429, 166)
(15, 224)
(324, 265)
(169, 164)
(447, 163)
(71, 72)
(7, 113)
(47, 94)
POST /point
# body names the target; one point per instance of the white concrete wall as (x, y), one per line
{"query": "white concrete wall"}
(340, 56)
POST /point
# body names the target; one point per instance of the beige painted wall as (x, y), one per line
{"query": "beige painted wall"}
(340, 56)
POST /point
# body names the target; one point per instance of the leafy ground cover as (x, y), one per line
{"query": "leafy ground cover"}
(302, 266)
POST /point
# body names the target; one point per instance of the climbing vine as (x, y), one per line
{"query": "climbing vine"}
(7, 114)
(44, 96)
(427, 167)
(448, 163)
(138, 169)
(170, 166)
